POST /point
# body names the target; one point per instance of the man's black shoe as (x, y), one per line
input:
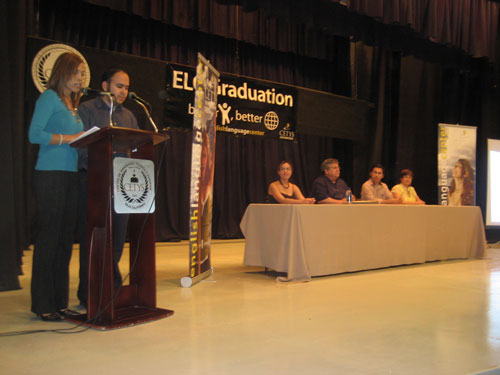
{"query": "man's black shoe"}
(68, 313)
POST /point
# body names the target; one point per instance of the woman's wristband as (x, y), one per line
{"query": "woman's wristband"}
(60, 139)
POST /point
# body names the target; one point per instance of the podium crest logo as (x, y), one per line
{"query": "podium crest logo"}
(44, 61)
(134, 192)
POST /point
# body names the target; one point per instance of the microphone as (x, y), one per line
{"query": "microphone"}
(132, 95)
(144, 104)
(89, 91)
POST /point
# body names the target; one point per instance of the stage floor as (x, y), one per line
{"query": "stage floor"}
(433, 318)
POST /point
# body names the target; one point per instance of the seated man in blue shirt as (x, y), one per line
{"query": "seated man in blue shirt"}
(96, 112)
(329, 187)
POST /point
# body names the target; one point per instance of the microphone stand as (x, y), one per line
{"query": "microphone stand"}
(88, 90)
(110, 109)
(147, 114)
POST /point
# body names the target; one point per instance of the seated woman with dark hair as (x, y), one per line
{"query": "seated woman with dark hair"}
(283, 191)
(404, 190)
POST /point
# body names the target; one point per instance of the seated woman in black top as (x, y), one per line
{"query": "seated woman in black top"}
(283, 191)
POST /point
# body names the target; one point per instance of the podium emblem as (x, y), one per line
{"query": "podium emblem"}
(133, 185)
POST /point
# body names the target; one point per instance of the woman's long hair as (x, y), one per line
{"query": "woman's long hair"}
(64, 68)
(467, 198)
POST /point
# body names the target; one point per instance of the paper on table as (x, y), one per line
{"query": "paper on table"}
(364, 202)
(86, 134)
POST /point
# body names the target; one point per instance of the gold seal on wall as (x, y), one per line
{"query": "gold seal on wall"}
(44, 61)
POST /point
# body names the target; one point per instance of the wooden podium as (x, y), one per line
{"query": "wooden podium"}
(135, 303)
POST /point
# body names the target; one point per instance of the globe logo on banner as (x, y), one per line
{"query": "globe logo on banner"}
(271, 120)
(44, 61)
(133, 185)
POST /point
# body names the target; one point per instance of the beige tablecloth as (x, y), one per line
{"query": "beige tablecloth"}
(314, 240)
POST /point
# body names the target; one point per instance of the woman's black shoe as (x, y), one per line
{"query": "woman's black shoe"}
(68, 313)
(50, 317)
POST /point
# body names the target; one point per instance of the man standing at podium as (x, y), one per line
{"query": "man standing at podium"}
(96, 112)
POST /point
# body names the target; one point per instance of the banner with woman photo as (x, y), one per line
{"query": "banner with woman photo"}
(456, 165)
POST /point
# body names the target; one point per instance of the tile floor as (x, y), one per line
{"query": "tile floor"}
(435, 318)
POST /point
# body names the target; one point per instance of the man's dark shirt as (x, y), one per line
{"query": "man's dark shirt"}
(95, 112)
(323, 188)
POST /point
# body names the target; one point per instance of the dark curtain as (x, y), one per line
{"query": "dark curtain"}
(284, 25)
(421, 107)
(470, 25)
(324, 67)
(376, 72)
(14, 224)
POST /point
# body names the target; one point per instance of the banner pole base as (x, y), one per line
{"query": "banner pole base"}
(188, 282)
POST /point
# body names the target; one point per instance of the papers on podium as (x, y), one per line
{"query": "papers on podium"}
(86, 134)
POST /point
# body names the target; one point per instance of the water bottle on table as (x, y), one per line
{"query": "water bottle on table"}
(348, 195)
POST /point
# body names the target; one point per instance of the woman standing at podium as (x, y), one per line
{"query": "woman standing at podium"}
(54, 124)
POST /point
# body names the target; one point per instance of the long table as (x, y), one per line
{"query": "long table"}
(315, 240)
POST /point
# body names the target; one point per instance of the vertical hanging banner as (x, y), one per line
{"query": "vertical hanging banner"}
(456, 165)
(202, 172)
